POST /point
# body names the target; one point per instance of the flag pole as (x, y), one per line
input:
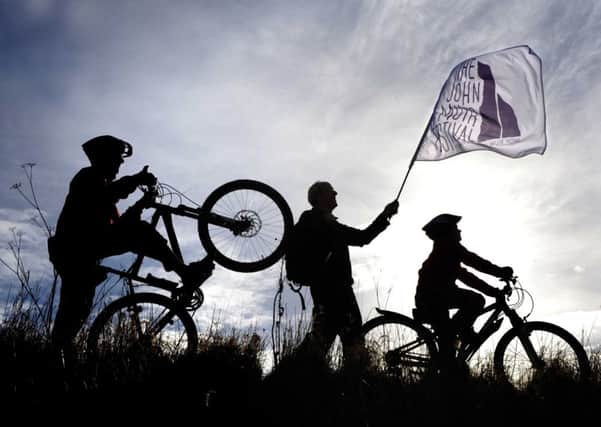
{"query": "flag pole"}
(412, 161)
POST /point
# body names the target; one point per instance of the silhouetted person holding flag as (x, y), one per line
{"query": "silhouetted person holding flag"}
(437, 291)
(90, 228)
(335, 308)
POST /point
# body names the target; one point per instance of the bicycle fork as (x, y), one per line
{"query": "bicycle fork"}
(523, 335)
(151, 330)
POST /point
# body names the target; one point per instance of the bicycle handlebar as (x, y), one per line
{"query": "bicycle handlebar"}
(149, 189)
(509, 282)
(507, 290)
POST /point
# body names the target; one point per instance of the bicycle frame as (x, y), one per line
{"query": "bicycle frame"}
(492, 324)
(464, 353)
(488, 328)
(165, 213)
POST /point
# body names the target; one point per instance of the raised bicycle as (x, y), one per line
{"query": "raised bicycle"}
(408, 348)
(243, 226)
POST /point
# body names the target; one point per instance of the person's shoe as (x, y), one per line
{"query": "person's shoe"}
(197, 272)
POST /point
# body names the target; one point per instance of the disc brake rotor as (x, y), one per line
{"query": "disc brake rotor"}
(252, 222)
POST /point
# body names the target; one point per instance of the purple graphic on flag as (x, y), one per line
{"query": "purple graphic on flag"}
(498, 118)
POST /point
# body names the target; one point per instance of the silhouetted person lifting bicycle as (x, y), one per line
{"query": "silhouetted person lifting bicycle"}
(90, 228)
(437, 291)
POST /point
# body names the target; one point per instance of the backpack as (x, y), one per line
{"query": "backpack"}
(304, 256)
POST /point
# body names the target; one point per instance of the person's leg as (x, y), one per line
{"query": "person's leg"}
(445, 333)
(319, 339)
(141, 238)
(76, 300)
(434, 309)
(356, 359)
(469, 305)
(349, 327)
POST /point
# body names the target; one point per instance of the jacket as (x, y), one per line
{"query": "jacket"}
(332, 239)
(444, 266)
(89, 210)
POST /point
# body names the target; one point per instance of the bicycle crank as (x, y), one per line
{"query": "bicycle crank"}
(196, 300)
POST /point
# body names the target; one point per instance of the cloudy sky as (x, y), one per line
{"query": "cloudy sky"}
(292, 92)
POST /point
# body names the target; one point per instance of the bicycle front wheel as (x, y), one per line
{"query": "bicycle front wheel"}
(269, 219)
(400, 346)
(537, 351)
(144, 323)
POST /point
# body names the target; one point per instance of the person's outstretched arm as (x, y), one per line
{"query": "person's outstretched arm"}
(475, 282)
(484, 265)
(356, 237)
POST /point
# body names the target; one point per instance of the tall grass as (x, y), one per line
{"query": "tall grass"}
(226, 370)
(224, 383)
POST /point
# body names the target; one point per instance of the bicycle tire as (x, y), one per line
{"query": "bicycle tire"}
(561, 352)
(400, 346)
(117, 327)
(264, 244)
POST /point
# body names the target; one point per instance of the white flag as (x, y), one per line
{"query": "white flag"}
(490, 102)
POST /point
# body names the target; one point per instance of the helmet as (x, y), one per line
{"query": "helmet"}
(106, 145)
(441, 225)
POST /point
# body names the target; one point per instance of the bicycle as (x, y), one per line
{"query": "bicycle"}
(243, 226)
(408, 347)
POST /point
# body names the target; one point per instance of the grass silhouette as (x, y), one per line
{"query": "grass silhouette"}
(225, 384)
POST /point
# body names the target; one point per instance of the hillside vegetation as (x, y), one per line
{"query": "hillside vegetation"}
(224, 384)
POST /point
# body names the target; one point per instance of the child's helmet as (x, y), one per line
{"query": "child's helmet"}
(106, 145)
(441, 225)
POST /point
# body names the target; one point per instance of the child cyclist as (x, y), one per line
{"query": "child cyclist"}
(437, 291)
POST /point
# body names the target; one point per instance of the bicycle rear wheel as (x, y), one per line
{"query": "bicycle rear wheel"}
(262, 243)
(144, 323)
(400, 346)
(557, 354)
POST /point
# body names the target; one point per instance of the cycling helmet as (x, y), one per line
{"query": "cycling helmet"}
(441, 225)
(105, 145)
